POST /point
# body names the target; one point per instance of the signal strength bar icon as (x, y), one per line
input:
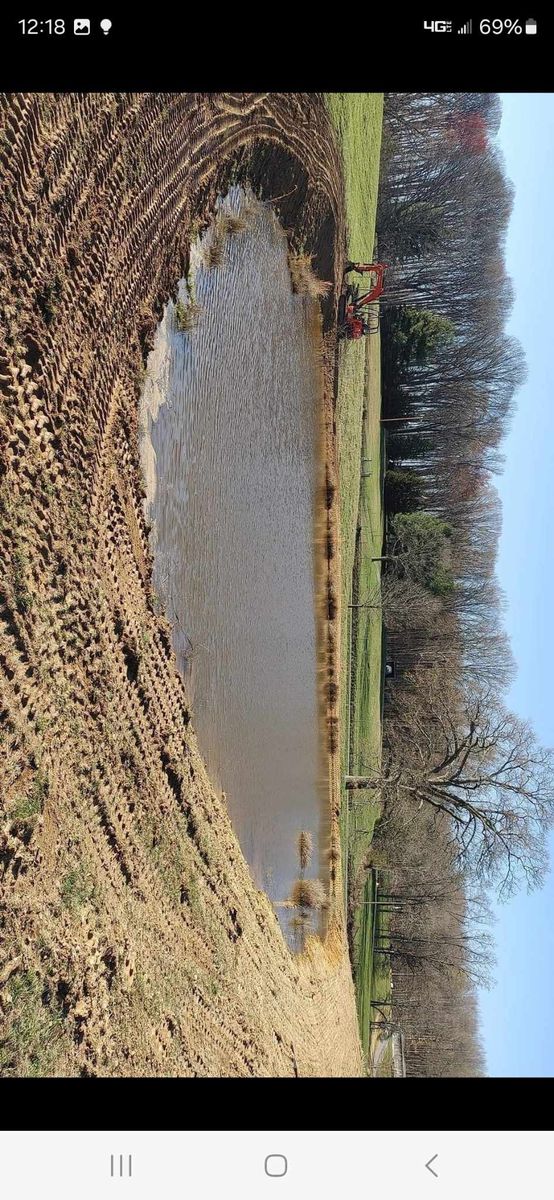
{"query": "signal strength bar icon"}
(467, 28)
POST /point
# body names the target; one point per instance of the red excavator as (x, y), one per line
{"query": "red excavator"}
(353, 322)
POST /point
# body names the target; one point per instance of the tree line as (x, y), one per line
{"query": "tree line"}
(468, 791)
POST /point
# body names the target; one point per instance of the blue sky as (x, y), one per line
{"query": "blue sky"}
(516, 1016)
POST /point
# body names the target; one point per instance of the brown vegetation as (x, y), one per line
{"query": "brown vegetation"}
(329, 491)
(304, 280)
(136, 940)
(233, 222)
(186, 316)
(305, 849)
(331, 603)
(308, 893)
(438, 948)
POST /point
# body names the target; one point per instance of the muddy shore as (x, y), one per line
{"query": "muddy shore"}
(130, 917)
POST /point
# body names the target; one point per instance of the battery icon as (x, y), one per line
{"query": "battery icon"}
(530, 26)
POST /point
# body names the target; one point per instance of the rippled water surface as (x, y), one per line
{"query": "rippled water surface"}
(231, 454)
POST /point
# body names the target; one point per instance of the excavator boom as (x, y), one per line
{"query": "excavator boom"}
(352, 322)
(377, 269)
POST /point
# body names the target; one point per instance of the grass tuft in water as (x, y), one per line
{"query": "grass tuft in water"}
(233, 223)
(308, 893)
(305, 847)
(186, 316)
(214, 251)
(304, 280)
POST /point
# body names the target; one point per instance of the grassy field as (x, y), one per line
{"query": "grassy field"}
(365, 632)
(372, 974)
(364, 967)
(358, 119)
(365, 679)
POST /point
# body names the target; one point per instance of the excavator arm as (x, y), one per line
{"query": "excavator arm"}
(377, 269)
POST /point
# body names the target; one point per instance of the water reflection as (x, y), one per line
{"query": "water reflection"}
(231, 453)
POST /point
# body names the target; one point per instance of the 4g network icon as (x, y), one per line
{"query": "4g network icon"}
(438, 26)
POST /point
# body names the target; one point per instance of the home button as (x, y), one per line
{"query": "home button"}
(275, 1165)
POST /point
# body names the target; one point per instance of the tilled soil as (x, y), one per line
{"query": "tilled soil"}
(134, 941)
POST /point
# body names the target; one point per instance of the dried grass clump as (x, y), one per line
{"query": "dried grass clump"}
(186, 316)
(305, 847)
(300, 922)
(329, 493)
(333, 734)
(308, 893)
(304, 280)
(226, 224)
(331, 603)
(333, 858)
(233, 222)
(334, 852)
(214, 253)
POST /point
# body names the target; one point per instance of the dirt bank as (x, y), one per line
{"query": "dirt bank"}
(133, 940)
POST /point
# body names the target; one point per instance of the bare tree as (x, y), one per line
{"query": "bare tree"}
(459, 751)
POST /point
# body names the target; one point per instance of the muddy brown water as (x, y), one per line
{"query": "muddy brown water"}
(231, 451)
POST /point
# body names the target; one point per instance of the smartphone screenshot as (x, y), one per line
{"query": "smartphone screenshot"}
(276, 501)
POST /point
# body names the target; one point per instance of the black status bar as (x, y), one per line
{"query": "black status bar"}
(192, 50)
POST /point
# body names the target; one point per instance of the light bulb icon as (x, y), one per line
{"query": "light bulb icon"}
(105, 26)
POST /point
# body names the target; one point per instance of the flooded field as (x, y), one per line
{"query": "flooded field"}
(231, 452)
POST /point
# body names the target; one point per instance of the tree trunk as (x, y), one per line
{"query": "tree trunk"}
(352, 782)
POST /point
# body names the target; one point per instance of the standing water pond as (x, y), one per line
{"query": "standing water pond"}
(231, 452)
